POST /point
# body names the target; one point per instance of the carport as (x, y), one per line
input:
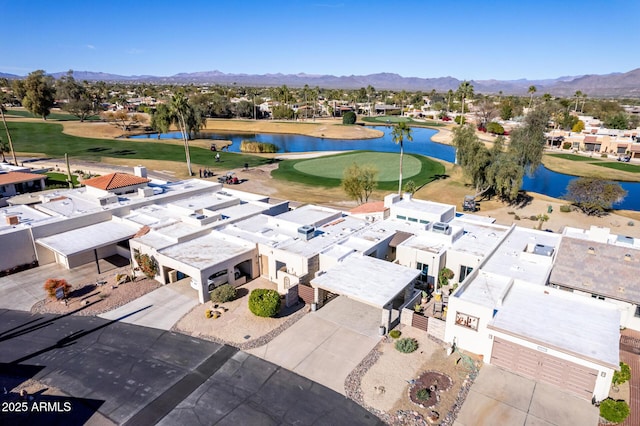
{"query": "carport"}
(82, 245)
(371, 281)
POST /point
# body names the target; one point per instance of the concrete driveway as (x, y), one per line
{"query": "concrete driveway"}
(160, 309)
(333, 339)
(22, 290)
(499, 397)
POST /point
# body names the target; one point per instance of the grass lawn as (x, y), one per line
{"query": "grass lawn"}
(48, 139)
(384, 119)
(574, 157)
(58, 180)
(328, 171)
(60, 116)
(625, 167)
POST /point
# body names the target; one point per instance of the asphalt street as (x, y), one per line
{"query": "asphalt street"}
(136, 375)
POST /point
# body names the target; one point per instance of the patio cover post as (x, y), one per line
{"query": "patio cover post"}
(95, 254)
(386, 316)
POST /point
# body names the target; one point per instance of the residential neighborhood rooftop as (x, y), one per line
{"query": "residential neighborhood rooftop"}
(115, 181)
(582, 326)
(19, 177)
(88, 238)
(485, 289)
(206, 251)
(601, 268)
(367, 280)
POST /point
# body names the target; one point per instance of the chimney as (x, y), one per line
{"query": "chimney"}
(140, 171)
(13, 220)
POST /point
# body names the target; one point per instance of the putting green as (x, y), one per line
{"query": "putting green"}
(388, 165)
(390, 119)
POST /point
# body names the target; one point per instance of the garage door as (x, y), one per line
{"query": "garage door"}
(539, 366)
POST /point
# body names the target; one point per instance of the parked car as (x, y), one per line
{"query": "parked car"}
(217, 279)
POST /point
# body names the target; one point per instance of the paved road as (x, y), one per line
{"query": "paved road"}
(138, 375)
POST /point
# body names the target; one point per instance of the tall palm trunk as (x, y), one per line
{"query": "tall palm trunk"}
(185, 139)
(13, 153)
(400, 175)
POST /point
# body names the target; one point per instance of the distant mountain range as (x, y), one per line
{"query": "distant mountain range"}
(615, 84)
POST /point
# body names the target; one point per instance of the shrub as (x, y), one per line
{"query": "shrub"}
(264, 302)
(208, 313)
(565, 208)
(603, 155)
(224, 293)
(146, 263)
(614, 411)
(423, 394)
(406, 345)
(52, 284)
(349, 118)
(511, 213)
(516, 217)
(630, 223)
(460, 120)
(394, 334)
(258, 147)
(622, 376)
(566, 145)
(495, 128)
(533, 217)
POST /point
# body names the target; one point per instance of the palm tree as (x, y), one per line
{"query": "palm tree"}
(465, 90)
(13, 153)
(584, 98)
(181, 112)
(449, 95)
(577, 95)
(532, 90)
(398, 135)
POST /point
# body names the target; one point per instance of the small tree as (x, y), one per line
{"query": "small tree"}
(359, 182)
(594, 196)
(622, 376)
(410, 187)
(444, 276)
(349, 118)
(53, 284)
(495, 128)
(578, 127)
(147, 264)
(541, 218)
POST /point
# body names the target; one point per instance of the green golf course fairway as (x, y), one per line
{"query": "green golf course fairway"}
(328, 171)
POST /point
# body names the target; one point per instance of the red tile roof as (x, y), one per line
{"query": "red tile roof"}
(372, 207)
(18, 177)
(115, 181)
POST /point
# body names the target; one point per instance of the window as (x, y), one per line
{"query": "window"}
(597, 296)
(413, 219)
(426, 222)
(637, 314)
(424, 271)
(464, 271)
(401, 217)
(468, 321)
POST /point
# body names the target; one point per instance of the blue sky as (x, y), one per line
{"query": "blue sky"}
(464, 39)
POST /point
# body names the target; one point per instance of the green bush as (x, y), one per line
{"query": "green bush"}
(208, 313)
(516, 217)
(460, 120)
(258, 147)
(603, 155)
(406, 345)
(565, 208)
(349, 118)
(264, 303)
(224, 293)
(423, 394)
(566, 145)
(394, 334)
(533, 217)
(614, 411)
(495, 128)
(622, 376)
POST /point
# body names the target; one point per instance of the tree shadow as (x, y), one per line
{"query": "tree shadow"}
(82, 291)
(98, 149)
(124, 152)
(522, 200)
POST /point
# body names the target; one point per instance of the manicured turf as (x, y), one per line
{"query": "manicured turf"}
(56, 180)
(48, 139)
(625, 167)
(387, 164)
(60, 116)
(385, 119)
(574, 157)
(290, 170)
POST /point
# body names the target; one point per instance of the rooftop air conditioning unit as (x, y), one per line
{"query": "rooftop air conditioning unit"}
(306, 232)
(441, 228)
(110, 199)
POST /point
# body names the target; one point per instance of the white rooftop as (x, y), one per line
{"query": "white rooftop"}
(485, 289)
(27, 216)
(206, 251)
(515, 256)
(578, 325)
(423, 206)
(478, 238)
(309, 215)
(367, 280)
(88, 238)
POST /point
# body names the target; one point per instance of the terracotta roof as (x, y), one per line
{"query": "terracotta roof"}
(590, 139)
(18, 177)
(372, 207)
(115, 181)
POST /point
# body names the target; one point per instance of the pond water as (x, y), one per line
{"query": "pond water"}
(544, 181)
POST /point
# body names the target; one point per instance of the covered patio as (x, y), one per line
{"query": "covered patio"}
(387, 286)
(90, 243)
